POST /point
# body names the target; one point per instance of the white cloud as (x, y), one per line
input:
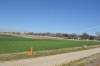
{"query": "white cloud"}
(11, 29)
(93, 28)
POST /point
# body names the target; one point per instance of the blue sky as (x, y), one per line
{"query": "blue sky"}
(63, 16)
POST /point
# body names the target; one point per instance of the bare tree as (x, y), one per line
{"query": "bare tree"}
(84, 36)
(74, 36)
(98, 36)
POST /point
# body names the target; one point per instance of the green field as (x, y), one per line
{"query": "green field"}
(10, 44)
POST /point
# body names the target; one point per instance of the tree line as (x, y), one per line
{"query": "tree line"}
(83, 36)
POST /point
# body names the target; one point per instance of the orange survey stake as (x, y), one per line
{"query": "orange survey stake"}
(31, 51)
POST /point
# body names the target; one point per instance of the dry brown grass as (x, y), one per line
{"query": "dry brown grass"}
(23, 55)
(93, 60)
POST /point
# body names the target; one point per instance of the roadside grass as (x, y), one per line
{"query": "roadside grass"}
(93, 60)
(25, 55)
(11, 44)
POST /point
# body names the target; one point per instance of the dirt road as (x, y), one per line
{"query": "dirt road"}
(52, 60)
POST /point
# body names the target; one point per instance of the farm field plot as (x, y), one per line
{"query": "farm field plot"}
(11, 44)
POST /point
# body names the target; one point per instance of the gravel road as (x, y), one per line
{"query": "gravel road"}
(52, 60)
